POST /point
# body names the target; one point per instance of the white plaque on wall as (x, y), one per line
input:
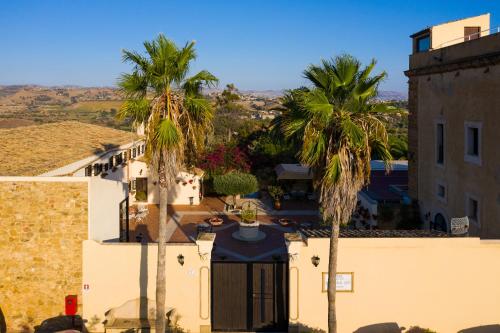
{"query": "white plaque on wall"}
(344, 282)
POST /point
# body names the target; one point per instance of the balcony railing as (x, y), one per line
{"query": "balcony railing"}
(472, 36)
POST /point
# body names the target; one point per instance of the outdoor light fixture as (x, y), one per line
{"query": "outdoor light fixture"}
(180, 259)
(315, 261)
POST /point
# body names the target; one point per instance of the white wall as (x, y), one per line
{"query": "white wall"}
(178, 194)
(104, 212)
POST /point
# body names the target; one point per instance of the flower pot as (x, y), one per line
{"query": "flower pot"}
(277, 204)
(215, 221)
(285, 222)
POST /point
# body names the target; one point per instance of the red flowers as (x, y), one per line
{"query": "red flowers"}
(224, 159)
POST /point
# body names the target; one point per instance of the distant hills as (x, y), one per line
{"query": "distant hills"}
(384, 95)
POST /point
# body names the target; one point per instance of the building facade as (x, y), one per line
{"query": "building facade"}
(454, 98)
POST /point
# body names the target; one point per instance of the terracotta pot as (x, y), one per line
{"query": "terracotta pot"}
(215, 221)
(277, 204)
(285, 222)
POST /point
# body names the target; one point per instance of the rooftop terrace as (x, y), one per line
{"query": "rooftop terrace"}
(33, 150)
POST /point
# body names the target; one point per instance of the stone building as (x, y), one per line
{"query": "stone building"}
(454, 98)
(50, 202)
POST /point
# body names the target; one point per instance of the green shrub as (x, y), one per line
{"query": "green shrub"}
(276, 192)
(248, 215)
(235, 183)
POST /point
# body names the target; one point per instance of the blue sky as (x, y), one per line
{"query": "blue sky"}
(255, 44)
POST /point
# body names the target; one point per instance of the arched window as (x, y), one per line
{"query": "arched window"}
(440, 223)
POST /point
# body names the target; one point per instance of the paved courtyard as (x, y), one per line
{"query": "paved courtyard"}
(183, 222)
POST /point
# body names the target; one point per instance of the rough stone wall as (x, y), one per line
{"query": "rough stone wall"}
(413, 137)
(43, 225)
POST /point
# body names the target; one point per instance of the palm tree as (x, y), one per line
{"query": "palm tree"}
(336, 123)
(175, 115)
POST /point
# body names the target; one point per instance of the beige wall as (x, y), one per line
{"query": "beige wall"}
(117, 273)
(450, 33)
(444, 284)
(454, 100)
(42, 226)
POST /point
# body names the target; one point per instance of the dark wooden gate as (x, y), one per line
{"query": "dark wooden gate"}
(249, 296)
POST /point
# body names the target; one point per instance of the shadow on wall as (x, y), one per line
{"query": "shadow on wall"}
(303, 328)
(61, 323)
(143, 278)
(380, 328)
(3, 324)
(482, 329)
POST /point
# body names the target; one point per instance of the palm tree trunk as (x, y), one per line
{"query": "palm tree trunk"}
(332, 273)
(162, 241)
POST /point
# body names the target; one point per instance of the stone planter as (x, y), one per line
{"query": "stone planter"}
(249, 231)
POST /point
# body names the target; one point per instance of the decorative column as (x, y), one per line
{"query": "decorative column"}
(294, 244)
(205, 243)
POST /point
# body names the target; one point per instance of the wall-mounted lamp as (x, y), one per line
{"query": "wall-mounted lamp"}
(180, 259)
(315, 261)
(140, 172)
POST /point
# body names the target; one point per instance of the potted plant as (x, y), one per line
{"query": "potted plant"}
(215, 221)
(249, 226)
(276, 192)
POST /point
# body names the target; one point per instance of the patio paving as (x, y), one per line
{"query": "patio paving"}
(184, 220)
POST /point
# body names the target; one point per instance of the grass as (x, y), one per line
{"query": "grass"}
(33, 150)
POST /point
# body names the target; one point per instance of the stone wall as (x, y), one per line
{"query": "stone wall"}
(43, 225)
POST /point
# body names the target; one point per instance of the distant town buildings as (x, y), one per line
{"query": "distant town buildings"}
(454, 89)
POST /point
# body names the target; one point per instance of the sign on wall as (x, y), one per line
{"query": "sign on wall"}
(344, 282)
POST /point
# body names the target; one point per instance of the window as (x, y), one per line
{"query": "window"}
(125, 156)
(471, 33)
(110, 162)
(441, 191)
(472, 208)
(473, 142)
(97, 169)
(106, 167)
(88, 171)
(423, 43)
(440, 143)
(119, 159)
(134, 153)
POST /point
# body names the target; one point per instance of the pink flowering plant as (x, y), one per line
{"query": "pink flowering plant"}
(223, 159)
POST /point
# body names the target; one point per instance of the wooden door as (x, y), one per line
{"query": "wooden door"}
(229, 296)
(249, 296)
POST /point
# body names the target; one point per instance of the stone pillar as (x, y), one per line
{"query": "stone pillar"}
(205, 243)
(413, 137)
(294, 244)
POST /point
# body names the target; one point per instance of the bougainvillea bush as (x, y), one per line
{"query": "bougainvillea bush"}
(223, 159)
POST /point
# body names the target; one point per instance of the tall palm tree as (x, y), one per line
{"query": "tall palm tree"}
(337, 125)
(161, 96)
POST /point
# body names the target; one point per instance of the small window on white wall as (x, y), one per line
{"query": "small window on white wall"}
(473, 142)
(472, 208)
